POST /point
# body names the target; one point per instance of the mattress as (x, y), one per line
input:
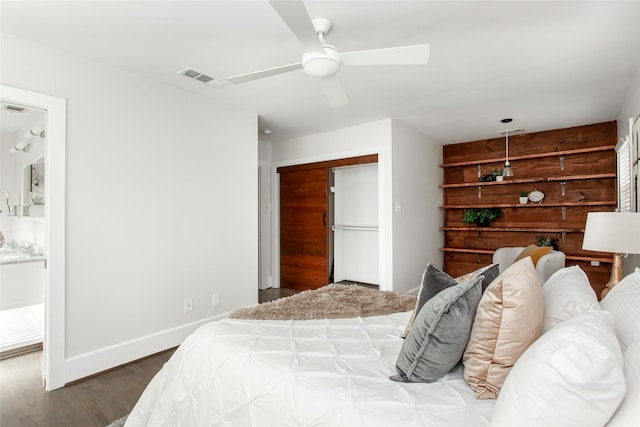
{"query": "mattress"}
(301, 373)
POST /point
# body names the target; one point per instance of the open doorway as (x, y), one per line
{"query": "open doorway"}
(355, 224)
(22, 223)
(51, 208)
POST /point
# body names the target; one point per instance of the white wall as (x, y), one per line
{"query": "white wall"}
(161, 205)
(631, 108)
(416, 193)
(369, 138)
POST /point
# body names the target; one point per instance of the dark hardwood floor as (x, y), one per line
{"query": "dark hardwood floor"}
(270, 294)
(95, 401)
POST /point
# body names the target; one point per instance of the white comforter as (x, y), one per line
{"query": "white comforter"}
(301, 373)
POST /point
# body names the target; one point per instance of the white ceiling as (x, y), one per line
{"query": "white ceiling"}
(546, 64)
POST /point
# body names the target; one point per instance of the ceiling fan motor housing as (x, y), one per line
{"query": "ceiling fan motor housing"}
(321, 64)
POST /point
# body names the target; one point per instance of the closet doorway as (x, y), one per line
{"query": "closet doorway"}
(306, 216)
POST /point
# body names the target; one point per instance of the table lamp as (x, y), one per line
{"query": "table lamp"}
(615, 232)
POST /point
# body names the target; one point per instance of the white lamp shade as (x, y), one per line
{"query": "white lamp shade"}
(615, 232)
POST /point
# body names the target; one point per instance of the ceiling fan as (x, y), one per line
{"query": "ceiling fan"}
(322, 60)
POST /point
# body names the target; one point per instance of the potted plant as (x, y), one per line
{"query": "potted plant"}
(546, 241)
(498, 174)
(524, 198)
(481, 217)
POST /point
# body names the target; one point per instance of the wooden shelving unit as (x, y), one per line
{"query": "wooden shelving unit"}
(576, 170)
(531, 180)
(490, 159)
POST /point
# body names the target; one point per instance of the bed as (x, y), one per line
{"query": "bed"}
(336, 372)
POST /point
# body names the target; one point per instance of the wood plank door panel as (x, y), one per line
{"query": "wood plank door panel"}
(303, 229)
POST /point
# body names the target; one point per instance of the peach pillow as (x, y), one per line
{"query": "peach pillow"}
(508, 320)
(535, 252)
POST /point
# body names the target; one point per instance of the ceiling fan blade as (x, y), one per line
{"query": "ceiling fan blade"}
(334, 92)
(264, 73)
(404, 55)
(295, 15)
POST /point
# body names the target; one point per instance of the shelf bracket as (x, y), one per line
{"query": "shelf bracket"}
(479, 171)
(564, 213)
(479, 260)
(564, 237)
(479, 192)
(562, 162)
(479, 235)
(562, 188)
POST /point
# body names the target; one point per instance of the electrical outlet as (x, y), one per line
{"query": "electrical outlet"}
(216, 300)
(188, 305)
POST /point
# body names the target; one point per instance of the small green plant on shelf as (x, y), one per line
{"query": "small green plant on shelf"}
(481, 217)
(546, 241)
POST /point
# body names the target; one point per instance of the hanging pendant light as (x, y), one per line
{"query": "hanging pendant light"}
(507, 171)
(507, 166)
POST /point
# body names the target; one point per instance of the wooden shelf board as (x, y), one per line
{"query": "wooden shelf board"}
(491, 252)
(469, 251)
(530, 180)
(588, 259)
(532, 156)
(532, 205)
(510, 229)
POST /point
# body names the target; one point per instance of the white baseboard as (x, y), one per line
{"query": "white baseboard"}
(93, 362)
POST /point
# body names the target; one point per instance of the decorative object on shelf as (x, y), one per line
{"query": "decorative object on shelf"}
(507, 166)
(546, 241)
(614, 232)
(498, 174)
(488, 178)
(536, 196)
(524, 198)
(481, 217)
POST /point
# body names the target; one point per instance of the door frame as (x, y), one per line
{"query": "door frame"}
(385, 250)
(55, 231)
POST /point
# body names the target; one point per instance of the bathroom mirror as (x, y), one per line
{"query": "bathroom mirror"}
(33, 186)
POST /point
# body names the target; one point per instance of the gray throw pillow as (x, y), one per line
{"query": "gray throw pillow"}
(439, 334)
(490, 275)
(434, 281)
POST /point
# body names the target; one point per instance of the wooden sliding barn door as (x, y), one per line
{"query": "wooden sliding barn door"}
(304, 231)
(305, 222)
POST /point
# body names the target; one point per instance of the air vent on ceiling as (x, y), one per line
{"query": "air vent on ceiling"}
(204, 78)
(13, 108)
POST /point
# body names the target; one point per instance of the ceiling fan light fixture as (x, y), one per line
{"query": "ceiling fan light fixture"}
(321, 65)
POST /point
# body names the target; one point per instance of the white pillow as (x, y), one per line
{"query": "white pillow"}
(628, 414)
(571, 376)
(624, 302)
(566, 293)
